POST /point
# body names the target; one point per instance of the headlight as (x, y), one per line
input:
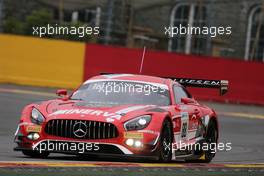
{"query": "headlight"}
(138, 123)
(36, 117)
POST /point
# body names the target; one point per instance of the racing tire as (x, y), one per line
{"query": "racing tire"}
(35, 154)
(165, 143)
(210, 138)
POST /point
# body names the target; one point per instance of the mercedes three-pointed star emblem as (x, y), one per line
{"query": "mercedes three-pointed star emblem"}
(79, 129)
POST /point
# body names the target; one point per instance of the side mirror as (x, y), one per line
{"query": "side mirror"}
(188, 100)
(62, 92)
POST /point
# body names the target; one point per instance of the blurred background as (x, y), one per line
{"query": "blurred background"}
(138, 23)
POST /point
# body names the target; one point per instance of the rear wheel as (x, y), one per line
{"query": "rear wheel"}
(211, 140)
(165, 143)
(35, 154)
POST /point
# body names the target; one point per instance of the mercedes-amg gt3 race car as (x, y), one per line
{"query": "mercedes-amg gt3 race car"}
(123, 115)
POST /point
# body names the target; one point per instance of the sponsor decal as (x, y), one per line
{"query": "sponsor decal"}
(184, 125)
(21, 124)
(110, 76)
(193, 122)
(133, 135)
(149, 131)
(199, 82)
(110, 116)
(33, 128)
(193, 125)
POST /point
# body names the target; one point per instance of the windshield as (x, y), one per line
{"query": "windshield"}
(123, 92)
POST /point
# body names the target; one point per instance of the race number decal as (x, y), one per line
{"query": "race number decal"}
(184, 125)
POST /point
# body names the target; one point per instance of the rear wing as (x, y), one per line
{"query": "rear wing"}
(222, 85)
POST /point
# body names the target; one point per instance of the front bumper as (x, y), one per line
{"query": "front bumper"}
(104, 149)
(115, 146)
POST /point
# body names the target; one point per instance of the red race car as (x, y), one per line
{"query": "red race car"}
(123, 115)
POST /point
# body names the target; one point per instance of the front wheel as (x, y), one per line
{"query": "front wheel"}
(165, 142)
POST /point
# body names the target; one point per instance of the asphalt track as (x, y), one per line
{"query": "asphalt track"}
(241, 125)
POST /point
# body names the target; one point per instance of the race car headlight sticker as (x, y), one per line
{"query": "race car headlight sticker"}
(138, 123)
(36, 117)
